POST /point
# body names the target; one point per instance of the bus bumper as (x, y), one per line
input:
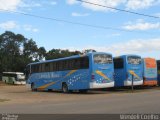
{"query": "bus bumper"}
(101, 85)
(150, 82)
(20, 83)
(129, 83)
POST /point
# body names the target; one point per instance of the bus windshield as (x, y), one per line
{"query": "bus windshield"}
(102, 59)
(134, 60)
(20, 76)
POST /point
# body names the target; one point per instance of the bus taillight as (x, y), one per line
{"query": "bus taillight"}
(93, 77)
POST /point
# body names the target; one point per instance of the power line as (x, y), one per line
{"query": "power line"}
(75, 23)
(122, 10)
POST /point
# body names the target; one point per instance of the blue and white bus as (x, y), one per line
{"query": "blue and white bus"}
(125, 67)
(79, 72)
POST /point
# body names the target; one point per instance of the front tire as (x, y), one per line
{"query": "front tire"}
(65, 88)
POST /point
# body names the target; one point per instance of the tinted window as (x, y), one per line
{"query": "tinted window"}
(69, 64)
(47, 67)
(134, 60)
(102, 59)
(118, 63)
(35, 68)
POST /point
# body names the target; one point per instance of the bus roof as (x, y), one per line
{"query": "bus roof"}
(71, 57)
(149, 58)
(13, 73)
(127, 55)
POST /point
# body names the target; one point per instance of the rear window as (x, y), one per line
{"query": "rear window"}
(118, 63)
(134, 60)
(102, 59)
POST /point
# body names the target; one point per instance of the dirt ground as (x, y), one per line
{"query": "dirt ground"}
(20, 99)
(20, 94)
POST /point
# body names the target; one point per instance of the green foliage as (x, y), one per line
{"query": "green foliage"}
(16, 52)
(58, 53)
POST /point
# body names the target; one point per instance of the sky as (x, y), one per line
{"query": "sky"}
(131, 34)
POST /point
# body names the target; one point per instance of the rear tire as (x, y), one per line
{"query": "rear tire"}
(33, 87)
(65, 88)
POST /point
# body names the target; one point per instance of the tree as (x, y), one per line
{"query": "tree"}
(30, 49)
(41, 53)
(10, 45)
(16, 52)
(58, 53)
(89, 50)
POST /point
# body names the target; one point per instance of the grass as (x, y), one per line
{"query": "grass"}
(3, 100)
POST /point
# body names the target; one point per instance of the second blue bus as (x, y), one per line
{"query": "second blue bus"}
(128, 67)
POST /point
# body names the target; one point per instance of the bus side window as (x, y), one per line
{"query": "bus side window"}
(66, 65)
(71, 64)
(40, 68)
(43, 67)
(47, 69)
(54, 66)
(84, 62)
(118, 63)
(77, 64)
(35, 68)
(60, 65)
(32, 69)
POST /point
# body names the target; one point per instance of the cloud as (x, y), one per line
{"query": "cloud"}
(128, 4)
(111, 3)
(53, 3)
(138, 46)
(157, 14)
(141, 25)
(135, 46)
(71, 2)
(141, 4)
(29, 28)
(8, 25)
(9, 4)
(75, 14)
(14, 5)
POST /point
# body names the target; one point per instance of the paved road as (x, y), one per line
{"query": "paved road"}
(24, 101)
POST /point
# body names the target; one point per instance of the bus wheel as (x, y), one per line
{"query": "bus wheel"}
(65, 88)
(33, 87)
